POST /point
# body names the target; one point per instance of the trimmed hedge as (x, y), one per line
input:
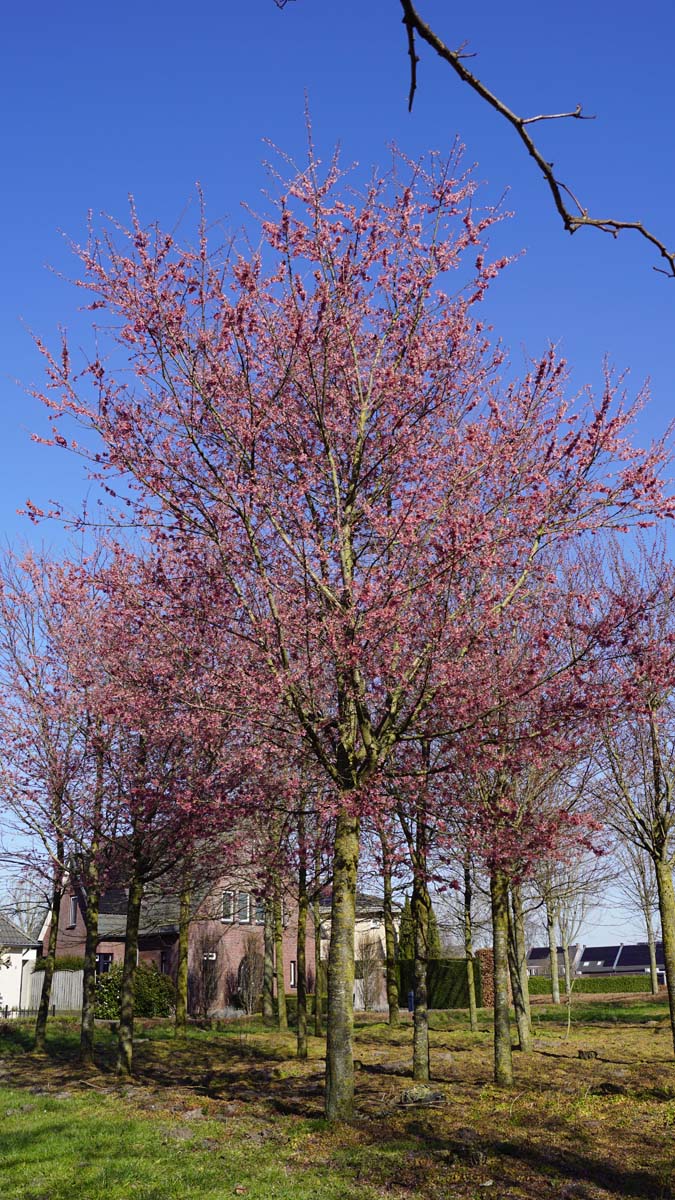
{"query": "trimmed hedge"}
(154, 994)
(447, 985)
(69, 962)
(540, 985)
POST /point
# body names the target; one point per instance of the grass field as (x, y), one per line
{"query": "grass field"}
(230, 1112)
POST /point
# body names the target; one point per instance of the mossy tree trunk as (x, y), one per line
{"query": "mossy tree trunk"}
(389, 933)
(92, 898)
(125, 1036)
(420, 905)
(301, 948)
(468, 945)
(50, 959)
(282, 1015)
(339, 1057)
(268, 963)
(318, 965)
(499, 894)
(518, 971)
(567, 968)
(180, 1024)
(664, 882)
(87, 1026)
(651, 943)
(552, 951)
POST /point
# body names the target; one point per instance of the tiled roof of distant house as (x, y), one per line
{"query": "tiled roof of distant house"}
(13, 938)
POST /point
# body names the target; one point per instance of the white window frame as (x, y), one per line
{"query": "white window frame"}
(72, 912)
(225, 915)
(293, 973)
(246, 898)
(260, 910)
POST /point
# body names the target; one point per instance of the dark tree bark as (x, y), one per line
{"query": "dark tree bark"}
(50, 959)
(183, 949)
(125, 1036)
(499, 891)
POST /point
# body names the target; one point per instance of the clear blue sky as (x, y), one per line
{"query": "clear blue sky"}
(100, 101)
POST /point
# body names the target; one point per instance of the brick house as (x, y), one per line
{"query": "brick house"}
(226, 923)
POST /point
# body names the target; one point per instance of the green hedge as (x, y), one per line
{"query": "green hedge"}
(447, 985)
(69, 962)
(540, 985)
(292, 1007)
(154, 994)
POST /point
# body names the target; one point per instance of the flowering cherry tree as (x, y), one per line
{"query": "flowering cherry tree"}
(323, 420)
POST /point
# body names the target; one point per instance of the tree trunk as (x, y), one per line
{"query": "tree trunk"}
(46, 996)
(180, 1025)
(268, 964)
(318, 967)
(651, 942)
(389, 935)
(521, 951)
(468, 947)
(92, 901)
(89, 973)
(567, 968)
(301, 950)
(420, 906)
(553, 953)
(664, 881)
(518, 988)
(499, 893)
(125, 1036)
(339, 1057)
(282, 1016)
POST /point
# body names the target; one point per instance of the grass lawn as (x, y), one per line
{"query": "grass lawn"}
(230, 1112)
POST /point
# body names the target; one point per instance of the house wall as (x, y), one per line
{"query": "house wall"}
(210, 934)
(15, 972)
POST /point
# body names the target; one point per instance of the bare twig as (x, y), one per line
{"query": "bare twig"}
(572, 221)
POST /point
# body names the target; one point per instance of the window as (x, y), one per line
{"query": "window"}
(260, 910)
(294, 973)
(72, 914)
(103, 963)
(164, 962)
(228, 906)
(244, 908)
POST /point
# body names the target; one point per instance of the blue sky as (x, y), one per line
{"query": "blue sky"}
(99, 102)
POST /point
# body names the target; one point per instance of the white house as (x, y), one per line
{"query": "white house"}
(18, 952)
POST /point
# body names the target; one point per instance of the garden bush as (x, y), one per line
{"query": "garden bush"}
(447, 985)
(69, 962)
(540, 985)
(154, 994)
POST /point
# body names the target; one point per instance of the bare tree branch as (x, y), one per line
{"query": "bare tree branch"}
(572, 221)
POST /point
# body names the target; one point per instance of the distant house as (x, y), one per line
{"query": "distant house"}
(622, 959)
(539, 960)
(18, 951)
(226, 923)
(619, 959)
(370, 953)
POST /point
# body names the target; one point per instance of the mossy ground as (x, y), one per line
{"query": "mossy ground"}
(231, 1112)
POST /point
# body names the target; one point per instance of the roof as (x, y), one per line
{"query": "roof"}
(159, 914)
(365, 902)
(13, 938)
(637, 956)
(604, 956)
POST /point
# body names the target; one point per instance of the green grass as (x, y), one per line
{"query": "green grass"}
(229, 1111)
(104, 1146)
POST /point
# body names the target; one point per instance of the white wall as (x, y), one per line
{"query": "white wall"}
(14, 978)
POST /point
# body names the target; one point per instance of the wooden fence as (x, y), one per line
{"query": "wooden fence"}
(66, 990)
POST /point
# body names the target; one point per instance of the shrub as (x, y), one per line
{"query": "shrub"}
(69, 962)
(447, 985)
(154, 994)
(540, 985)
